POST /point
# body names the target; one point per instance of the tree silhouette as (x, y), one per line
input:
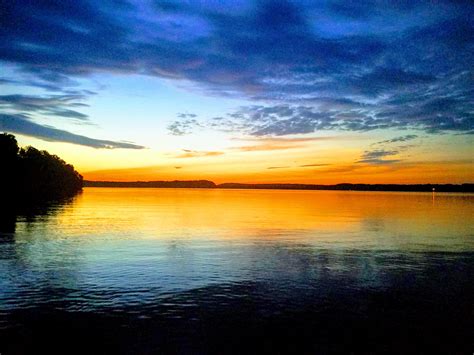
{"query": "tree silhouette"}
(29, 173)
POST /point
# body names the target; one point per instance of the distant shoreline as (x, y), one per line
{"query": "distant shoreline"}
(468, 187)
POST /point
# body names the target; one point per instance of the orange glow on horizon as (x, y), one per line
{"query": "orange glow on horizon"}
(414, 173)
(310, 160)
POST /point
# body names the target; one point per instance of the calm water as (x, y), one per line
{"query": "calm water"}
(219, 271)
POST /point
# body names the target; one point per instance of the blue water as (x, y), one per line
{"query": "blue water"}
(203, 271)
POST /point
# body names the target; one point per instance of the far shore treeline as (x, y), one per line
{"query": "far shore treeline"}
(206, 184)
(34, 175)
(31, 174)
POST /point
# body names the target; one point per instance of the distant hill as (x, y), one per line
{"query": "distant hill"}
(164, 184)
(206, 184)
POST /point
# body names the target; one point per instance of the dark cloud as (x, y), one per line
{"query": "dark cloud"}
(182, 127)
(318, 65)
(280, 120)
(50, 105)
(21, 125)
(388, 148)
(404, 138)
(377, 157)
(383, 79)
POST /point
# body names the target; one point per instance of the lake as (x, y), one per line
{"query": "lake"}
(145, 271)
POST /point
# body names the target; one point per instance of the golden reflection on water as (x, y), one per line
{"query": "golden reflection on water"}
(145, 261)
(359, 219)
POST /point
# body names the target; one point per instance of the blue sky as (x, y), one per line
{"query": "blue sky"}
(163, 77)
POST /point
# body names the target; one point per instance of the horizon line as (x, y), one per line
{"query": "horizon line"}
(272, 183)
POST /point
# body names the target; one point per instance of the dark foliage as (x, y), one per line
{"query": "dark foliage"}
(31, 174)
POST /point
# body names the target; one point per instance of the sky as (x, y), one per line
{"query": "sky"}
(244, 91)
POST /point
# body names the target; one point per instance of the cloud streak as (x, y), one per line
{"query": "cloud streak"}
(277, 167)
(50, 105)
(261, 144)
(377, 157)
(404, 138)
(313, 165)
(198, 154)
(21, 125)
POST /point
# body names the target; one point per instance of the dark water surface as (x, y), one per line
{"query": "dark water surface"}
(144, 271)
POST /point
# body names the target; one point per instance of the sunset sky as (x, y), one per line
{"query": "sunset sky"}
(244, 91)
